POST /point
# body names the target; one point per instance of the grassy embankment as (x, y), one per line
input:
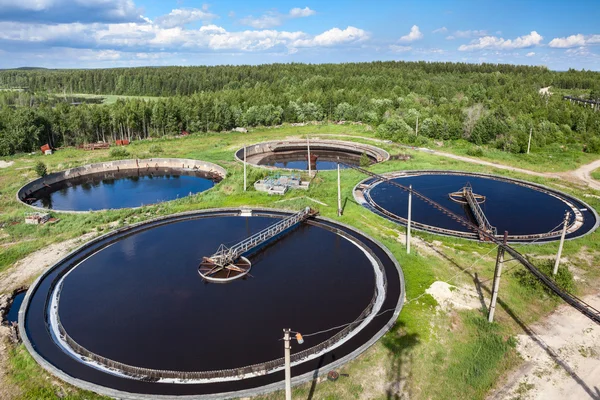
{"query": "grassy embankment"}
(596, 174)
(431, 353)
(550, 159)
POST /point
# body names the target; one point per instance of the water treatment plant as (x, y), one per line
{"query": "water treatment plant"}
(120, 184)
(323, 154)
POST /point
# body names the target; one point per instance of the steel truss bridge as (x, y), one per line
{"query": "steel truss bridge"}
(231, 261)
(574, 301)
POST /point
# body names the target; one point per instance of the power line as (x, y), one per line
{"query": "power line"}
(344, 325)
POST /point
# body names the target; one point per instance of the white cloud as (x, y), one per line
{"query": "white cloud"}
(301, 12)
(268, 20)
(415, 34)
(154, 38)
(443, 29)
(530, 54)
(496, 43)
(184, 16)
(574, 41)
(64, 11)
(334, 37)
(571, 41)
(400, 49)
(467, 34)
(272, 19)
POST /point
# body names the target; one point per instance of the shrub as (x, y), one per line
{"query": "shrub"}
(40, 169)
(118, 152)
(563, 278)
(365, 161)
(155, 149)
(476, 151)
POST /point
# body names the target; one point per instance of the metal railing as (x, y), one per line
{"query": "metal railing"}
(225, 256)
(478, 212)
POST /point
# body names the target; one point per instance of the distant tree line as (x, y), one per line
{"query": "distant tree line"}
(484, 104)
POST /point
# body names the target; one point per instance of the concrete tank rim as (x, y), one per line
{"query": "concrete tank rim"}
(484, 175)
(106, 391)
(377, 150)
(222, 172)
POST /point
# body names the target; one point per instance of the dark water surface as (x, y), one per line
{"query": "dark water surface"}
(291, 288)
(142, 302)
(124, 189)
(326, 160)
(509, 207)
(13, 311)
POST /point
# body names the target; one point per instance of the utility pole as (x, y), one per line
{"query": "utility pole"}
(308, 146)
(409, 219)
(529, 144)
(417, 127)
(339, 190)
(244, 167)
(288, 371)
(562, 241)
(497, 274)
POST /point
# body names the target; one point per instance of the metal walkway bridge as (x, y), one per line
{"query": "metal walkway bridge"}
(594, 104)
(574, 301)
(480, 217)
(230, 261)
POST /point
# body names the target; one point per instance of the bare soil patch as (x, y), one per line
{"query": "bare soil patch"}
(451, 297)
(20, 275)
(562, 358)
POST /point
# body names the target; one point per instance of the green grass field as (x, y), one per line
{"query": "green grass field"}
(112, 98)
(429, 354)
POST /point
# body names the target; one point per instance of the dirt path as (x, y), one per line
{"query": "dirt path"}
(584, 173)
(562, 358)
(489, 164)
(20, 275)
(25, 270)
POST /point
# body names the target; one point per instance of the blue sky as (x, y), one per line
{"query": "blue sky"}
(120, 33)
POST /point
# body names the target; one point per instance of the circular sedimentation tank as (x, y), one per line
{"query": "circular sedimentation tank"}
(128, 315)
(120, 184)
(529, 212)
(293, 154)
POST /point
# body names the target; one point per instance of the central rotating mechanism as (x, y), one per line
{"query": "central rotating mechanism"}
(229, 264)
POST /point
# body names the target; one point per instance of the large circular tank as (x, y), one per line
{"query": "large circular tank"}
(128, 313)
(120, 184)
(529, 212)
(324, 154)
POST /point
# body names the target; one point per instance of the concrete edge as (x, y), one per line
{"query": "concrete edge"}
(375, 149)
(491, 176)
(297, 380)
(91, 167)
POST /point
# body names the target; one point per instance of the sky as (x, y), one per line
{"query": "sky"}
(558, 34)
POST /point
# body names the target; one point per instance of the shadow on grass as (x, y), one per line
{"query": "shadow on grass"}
(593, 393)
(399, 343)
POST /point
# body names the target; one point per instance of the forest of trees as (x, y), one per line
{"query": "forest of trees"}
(488, 104)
